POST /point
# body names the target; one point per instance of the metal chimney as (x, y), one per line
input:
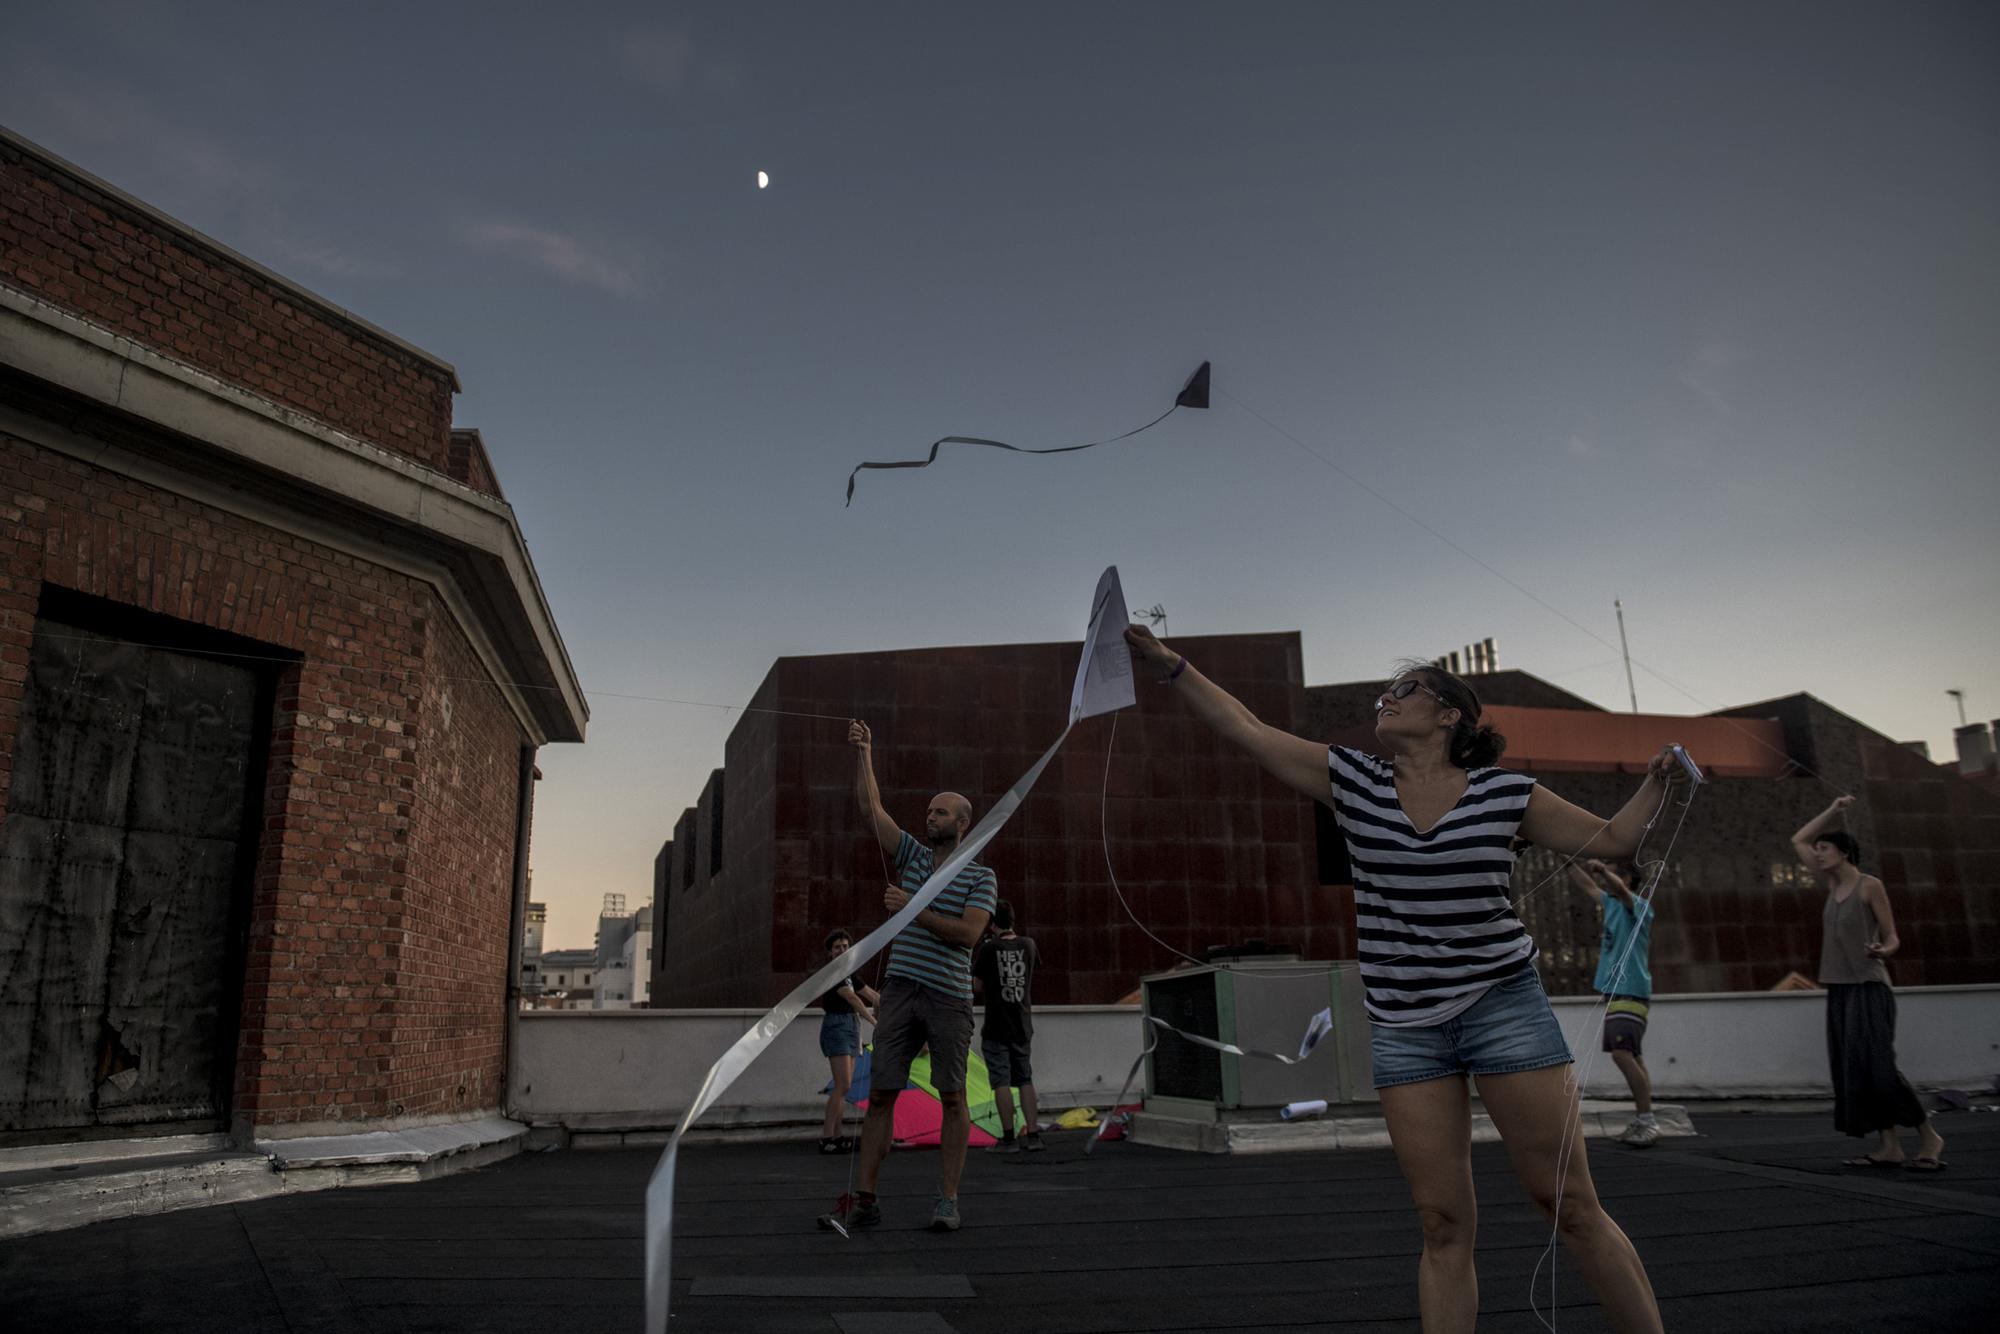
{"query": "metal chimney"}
(1975, 748)
(1492, 655)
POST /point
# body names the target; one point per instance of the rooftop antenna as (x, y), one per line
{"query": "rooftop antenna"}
(1958, 697)
(1626, 649)
(1157, 614)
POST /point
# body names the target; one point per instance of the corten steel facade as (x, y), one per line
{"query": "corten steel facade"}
(1735, 910)
(1207, 848)
(266, 782)
(1211, 852)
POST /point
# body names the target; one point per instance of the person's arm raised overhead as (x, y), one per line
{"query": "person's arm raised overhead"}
(887, 832)
(1804, 836)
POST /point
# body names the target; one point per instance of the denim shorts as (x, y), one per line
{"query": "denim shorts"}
(839, 1035)
(1509, 1029)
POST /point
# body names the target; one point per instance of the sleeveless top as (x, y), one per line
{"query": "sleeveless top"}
(1433, 912)
(1846, 928)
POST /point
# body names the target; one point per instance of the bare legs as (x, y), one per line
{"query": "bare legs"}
(1889, 1149)
(1003, 1099)
(952, 1136)
(1535, 1111)
(875, 1137)
(1430, 1123)
(1636, 1078)
(836, 1101)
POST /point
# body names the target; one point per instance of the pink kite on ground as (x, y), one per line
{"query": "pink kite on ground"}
(920, 1122)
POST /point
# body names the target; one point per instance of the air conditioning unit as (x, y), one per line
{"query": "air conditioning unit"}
(1257, 1004)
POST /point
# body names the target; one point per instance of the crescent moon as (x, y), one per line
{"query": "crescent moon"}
(763, 180)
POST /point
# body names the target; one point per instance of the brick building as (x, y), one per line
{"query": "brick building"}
(273, 667)
(1211, 852)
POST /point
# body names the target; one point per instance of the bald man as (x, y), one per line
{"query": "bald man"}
(927, 994)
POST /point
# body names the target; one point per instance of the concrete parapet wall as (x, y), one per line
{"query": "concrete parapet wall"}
(1773, 1043)
(612, 1070)
(633, 1068)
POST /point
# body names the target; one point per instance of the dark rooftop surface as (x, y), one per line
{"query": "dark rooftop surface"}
(1748, 1228)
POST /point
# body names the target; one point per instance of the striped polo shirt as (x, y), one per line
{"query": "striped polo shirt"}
(921, 956)
(1437, 926)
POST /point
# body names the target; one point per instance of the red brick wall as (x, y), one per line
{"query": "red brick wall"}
(378, 931)
(467, 462)
(77, 247)
(454, 976)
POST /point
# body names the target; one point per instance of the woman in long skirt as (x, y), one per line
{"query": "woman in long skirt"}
(1870, 1095)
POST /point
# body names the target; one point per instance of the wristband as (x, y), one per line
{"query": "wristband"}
(1179, 667)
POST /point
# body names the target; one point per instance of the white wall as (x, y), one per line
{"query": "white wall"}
(641, 1067)
(1773, 1043)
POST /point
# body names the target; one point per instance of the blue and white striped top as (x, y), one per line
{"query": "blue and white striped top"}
(921, 956)
(1436, 924)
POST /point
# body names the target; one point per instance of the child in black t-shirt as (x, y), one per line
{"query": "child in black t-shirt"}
(1005, 972)
(840, 1040)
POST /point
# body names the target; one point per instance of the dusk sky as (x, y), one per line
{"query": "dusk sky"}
(1693, 305)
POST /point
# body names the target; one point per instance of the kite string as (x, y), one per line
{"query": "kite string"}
(1104, 826)
(1576, 1081)
(294, 660)
(1527, 592)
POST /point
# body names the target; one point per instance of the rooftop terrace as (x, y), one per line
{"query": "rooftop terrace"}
(1749, 1228)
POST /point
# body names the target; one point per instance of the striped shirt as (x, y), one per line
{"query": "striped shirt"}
(918, 954)
(1436, 924)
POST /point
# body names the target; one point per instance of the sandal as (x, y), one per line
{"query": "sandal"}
(1925, 1163)
(1870, 1160)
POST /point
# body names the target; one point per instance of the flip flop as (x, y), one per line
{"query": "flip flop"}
(1926, 1163)
(1869, 1161)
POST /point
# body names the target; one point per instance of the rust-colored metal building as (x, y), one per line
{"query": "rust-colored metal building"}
(1210, 852)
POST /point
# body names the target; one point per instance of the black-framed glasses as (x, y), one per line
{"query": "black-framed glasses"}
(1404, 689)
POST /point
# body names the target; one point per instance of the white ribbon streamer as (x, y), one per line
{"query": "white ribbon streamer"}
(1318, 1027)
(1103, 684)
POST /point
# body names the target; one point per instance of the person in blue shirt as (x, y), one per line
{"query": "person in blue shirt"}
(1625, 980)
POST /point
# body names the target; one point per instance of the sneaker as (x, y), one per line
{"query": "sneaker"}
(1034, 1144)
(864, 1214)
(1640, 1135)
(830, 1145)
(1008, 1145)
(944, 1217)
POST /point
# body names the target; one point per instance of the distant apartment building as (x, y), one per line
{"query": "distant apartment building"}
(531, 953)
(1211, 853)
(624, 949)
(569, 979)
(274, 665)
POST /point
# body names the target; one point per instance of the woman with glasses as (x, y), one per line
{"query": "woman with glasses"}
(1448, 969)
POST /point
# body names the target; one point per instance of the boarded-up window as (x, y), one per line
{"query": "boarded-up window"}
(124, 875)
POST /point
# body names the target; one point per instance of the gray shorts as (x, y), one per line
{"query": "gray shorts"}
(911, 1016)
(1007, 1064)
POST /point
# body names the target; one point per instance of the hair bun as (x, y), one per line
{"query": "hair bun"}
(1476, 745)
